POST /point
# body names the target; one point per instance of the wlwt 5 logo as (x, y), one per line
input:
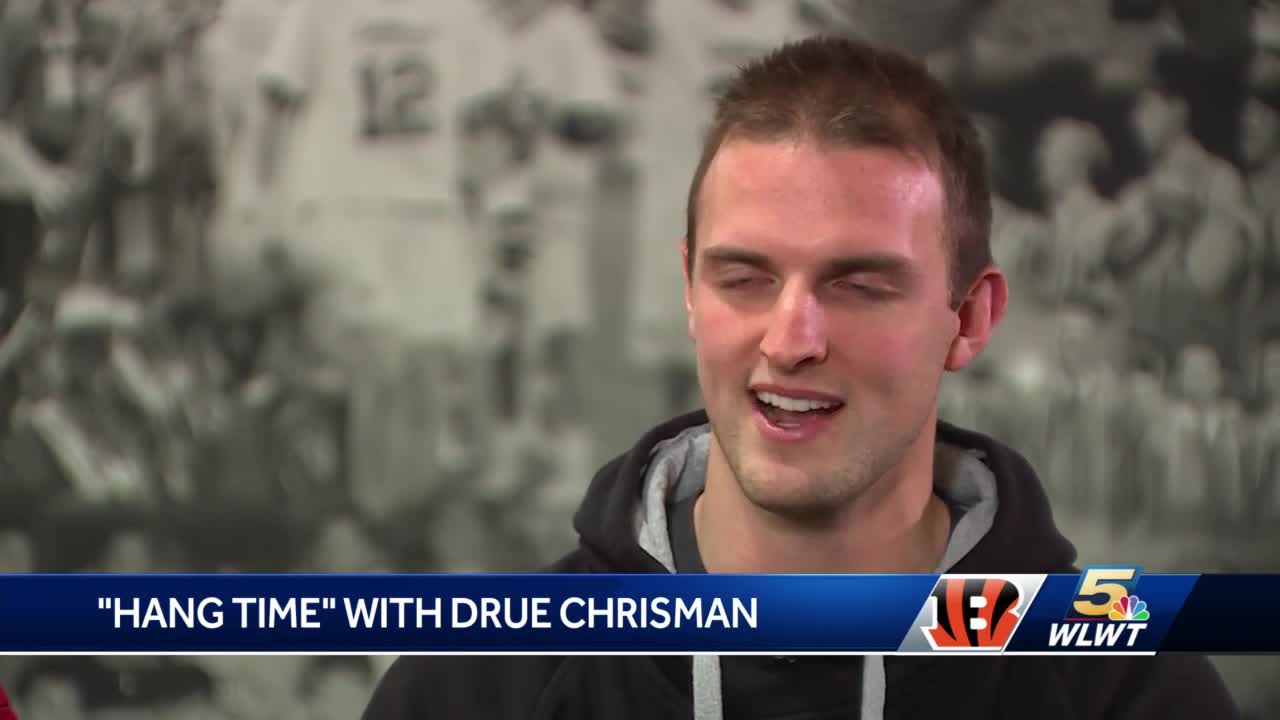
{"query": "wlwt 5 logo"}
(1106, 611)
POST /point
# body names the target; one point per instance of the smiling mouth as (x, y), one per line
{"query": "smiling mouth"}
(791, 413)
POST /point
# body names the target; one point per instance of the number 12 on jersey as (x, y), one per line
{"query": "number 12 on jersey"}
(395, 93)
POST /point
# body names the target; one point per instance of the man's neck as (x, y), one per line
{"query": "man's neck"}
(898, 525)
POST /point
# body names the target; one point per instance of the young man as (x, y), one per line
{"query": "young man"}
(573, 104)
(837, 265)
(369, 102)
(1205, 488)
(36, 92)
(1082, 220)
(1083, 409)
(1192, 238)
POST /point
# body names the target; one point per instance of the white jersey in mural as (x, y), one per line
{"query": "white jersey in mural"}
(375, 154)
(566, 67)
(700, 47)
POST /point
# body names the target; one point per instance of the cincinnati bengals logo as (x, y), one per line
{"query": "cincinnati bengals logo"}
(973, 613)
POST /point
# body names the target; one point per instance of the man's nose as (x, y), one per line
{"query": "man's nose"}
(797, 333)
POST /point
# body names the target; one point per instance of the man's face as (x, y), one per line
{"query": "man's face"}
(1063, 160)
(1157, 120)
(820, 279)
(128, 553)
(344, 548)
(1264, 67)
(1077, 340)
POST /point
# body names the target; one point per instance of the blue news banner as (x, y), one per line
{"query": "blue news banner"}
(1105, 609)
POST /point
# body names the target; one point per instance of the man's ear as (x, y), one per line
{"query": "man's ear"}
(685, 271)
(980, 313)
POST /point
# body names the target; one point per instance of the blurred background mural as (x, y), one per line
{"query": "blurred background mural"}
(295, 285)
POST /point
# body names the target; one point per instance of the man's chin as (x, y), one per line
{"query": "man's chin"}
(797, 505)
(783, 486)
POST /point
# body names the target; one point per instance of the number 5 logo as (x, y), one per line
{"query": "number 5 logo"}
(1101, 585)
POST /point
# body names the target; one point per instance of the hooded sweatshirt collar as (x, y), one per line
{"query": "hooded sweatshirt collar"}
(1003, 522)
(1022, 537)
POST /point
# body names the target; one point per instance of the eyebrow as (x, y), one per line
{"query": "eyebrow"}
(724, 255)
(895, 267)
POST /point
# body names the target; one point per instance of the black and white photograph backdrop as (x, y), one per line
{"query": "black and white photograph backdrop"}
(297, 286)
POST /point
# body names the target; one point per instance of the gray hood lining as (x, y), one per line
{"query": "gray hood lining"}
(678, 470)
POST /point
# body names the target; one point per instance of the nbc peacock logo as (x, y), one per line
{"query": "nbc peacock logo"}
(1130, 608)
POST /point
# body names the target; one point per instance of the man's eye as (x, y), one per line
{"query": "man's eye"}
(742, 281)
(860, 288)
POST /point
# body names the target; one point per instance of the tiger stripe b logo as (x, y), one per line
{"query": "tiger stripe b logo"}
(973, 613)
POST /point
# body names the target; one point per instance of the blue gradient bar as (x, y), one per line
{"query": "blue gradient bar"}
(77, 613)
(836, 614)
(1228, 614)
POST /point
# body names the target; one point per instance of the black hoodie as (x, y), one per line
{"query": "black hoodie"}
(1017, 535)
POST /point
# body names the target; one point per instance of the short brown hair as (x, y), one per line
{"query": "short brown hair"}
(845, 93)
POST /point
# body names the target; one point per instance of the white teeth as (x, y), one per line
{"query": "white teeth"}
(793, 404)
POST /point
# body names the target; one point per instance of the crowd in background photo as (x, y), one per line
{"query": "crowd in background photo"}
(299, 286)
